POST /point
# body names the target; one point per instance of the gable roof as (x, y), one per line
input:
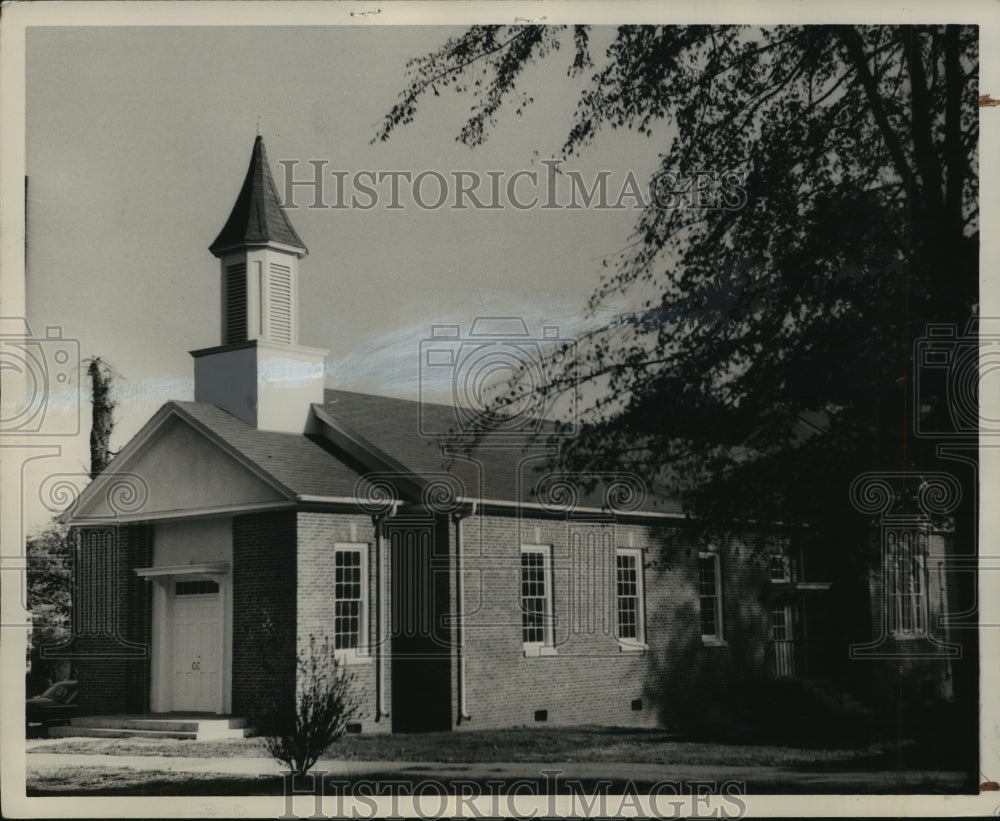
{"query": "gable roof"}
(291, 465)
(257, 216)
(302, 465)
(365, 437)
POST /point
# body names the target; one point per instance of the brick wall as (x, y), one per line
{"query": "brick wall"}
(283, 570)
(264, 590)
(590, 679)
(112, 619)
(318, 533)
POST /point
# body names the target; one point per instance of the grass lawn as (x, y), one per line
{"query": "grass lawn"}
(528, 744)
(770, 769)
(98, 781)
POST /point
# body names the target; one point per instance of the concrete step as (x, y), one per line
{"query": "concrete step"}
(115, 732)
(185, 725)
(189, 727)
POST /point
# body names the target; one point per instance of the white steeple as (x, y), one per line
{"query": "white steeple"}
(260, 373)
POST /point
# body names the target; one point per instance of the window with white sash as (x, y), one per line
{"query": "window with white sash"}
(350, 621)
(536, 597)
(906, 584)
(710, 594)
(629, 595)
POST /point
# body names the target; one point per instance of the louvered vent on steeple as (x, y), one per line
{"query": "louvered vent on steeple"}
(235, 310)
(259, 252)
(280, 297)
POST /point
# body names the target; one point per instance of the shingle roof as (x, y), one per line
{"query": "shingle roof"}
(257, 216)
(303, 465)
(383, 435)
(491, 467)
(369, 434)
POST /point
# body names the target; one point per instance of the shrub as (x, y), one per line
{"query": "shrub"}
(299, 725)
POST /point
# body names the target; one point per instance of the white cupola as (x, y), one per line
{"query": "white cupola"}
(260, 373)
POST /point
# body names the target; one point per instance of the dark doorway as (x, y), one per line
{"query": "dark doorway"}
(824, 647)
(421, 652)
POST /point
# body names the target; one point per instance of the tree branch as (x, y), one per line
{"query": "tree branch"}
(855, 50)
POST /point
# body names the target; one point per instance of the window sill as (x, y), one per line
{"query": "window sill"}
(535, 650)
(713, 641)
(352, 658)
(632, 647)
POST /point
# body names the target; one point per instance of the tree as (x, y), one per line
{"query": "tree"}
(50, 551)
(49, 587)
(858, 147)
(777, 361)
(102, 415)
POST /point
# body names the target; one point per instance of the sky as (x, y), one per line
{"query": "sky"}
(138, 140)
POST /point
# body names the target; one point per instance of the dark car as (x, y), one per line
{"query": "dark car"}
(58, 703)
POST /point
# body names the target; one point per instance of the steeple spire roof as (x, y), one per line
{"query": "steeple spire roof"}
(257, 217)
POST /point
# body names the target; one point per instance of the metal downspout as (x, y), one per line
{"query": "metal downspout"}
(463, 707)
(381, 634)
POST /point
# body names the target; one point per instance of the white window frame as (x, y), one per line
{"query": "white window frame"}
(905, 565)
(716, 639)
(786, 568)
(546, 647)
(639, 642)
(362, 652)
(786, 622)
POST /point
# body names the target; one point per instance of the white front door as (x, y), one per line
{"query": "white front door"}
(197, 651)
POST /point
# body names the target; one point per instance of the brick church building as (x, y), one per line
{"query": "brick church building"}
(466, 582)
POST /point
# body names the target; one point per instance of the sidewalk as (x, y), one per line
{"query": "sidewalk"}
(805, 781)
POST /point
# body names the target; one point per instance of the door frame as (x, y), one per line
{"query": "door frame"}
(161, 652)
(433, 567)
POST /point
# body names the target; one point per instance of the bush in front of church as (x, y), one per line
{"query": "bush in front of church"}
(299, 726)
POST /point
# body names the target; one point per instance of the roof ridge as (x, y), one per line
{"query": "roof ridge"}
(425, 402)
(382, 397)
